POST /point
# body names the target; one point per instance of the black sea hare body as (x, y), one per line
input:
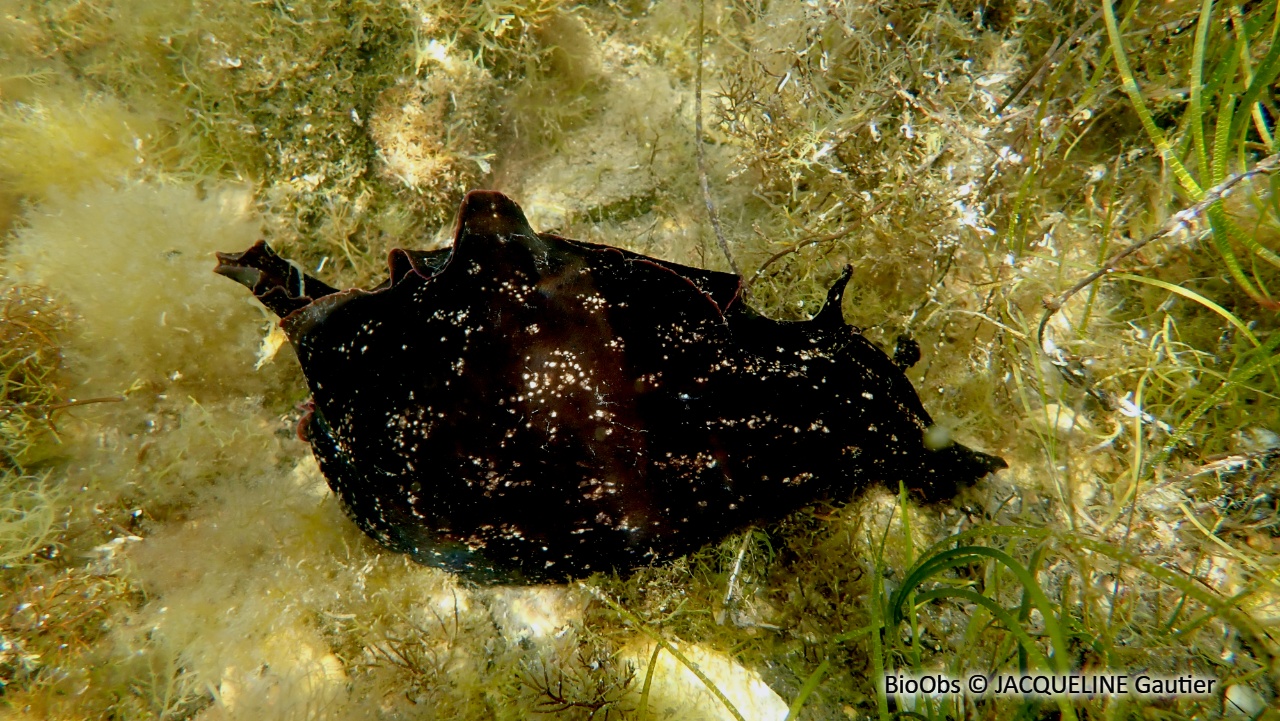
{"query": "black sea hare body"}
(523, 407)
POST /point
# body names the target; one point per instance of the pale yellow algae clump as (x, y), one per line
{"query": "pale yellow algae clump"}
(133, 263)
(52, 142)
(241, 618)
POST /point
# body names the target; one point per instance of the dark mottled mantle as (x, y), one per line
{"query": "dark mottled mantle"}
(524, 407)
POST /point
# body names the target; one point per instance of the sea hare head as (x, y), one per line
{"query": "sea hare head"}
(523, 407)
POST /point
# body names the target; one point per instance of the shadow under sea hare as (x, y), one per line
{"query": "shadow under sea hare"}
(523, 408)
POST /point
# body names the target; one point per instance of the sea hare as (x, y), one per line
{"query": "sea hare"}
(524, 408)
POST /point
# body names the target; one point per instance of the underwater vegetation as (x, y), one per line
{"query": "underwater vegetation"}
(30, 324)
(1071, 206)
